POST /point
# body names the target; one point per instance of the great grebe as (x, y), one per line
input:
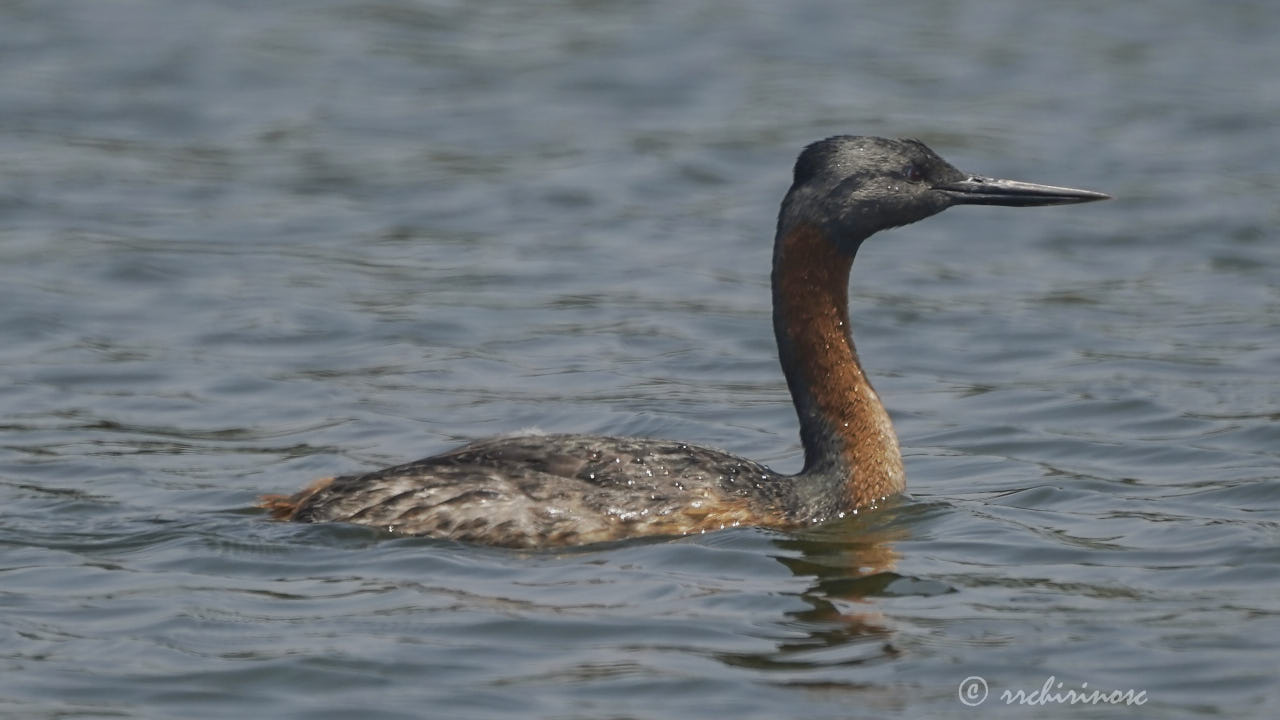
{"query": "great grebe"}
(556, 490)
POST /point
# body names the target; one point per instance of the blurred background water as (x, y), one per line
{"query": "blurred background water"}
(245, 245)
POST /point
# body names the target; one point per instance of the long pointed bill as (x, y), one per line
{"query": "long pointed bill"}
(990, 191)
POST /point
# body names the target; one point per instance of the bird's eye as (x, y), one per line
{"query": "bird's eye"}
(913, 173)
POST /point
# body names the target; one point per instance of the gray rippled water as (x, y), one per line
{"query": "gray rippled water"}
(243, 246)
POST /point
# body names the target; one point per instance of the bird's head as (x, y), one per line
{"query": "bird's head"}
(854, 186)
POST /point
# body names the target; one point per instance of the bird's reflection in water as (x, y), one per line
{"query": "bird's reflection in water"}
(851, 564)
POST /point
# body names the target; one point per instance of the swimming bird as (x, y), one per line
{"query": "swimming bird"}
(556, 490)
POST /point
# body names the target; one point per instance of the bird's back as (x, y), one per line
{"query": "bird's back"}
(549, 490)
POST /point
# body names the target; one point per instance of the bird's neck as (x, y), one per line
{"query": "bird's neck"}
(851, 455)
